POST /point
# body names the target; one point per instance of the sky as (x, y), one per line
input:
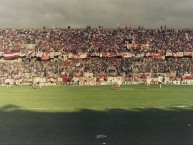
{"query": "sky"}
(106, 13)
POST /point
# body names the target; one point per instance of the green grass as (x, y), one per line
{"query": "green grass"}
(76, 114)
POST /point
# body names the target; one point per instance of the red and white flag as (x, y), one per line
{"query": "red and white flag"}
(83, 55)
(126, 54)
(11, 55)
(45, 56)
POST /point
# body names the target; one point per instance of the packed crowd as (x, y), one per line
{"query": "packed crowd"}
(97, 67)
(97, 40)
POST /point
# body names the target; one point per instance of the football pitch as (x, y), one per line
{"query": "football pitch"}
(89, 115)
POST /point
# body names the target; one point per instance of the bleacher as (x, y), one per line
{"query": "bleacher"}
(103, 53)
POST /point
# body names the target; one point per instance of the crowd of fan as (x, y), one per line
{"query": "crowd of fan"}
(98, 40)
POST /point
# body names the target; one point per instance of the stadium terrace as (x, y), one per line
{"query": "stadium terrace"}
(93, 56)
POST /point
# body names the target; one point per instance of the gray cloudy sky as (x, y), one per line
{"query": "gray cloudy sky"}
(109, 13)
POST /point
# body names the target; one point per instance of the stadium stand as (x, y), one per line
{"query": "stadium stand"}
(94, 56)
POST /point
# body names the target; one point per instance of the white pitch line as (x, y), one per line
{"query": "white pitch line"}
(161, 107)
(42, 108)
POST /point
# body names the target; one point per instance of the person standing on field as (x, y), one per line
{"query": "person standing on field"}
(148, 81)
(7, 82)
(160, 80)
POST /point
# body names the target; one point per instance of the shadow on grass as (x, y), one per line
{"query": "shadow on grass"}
(128, 127)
